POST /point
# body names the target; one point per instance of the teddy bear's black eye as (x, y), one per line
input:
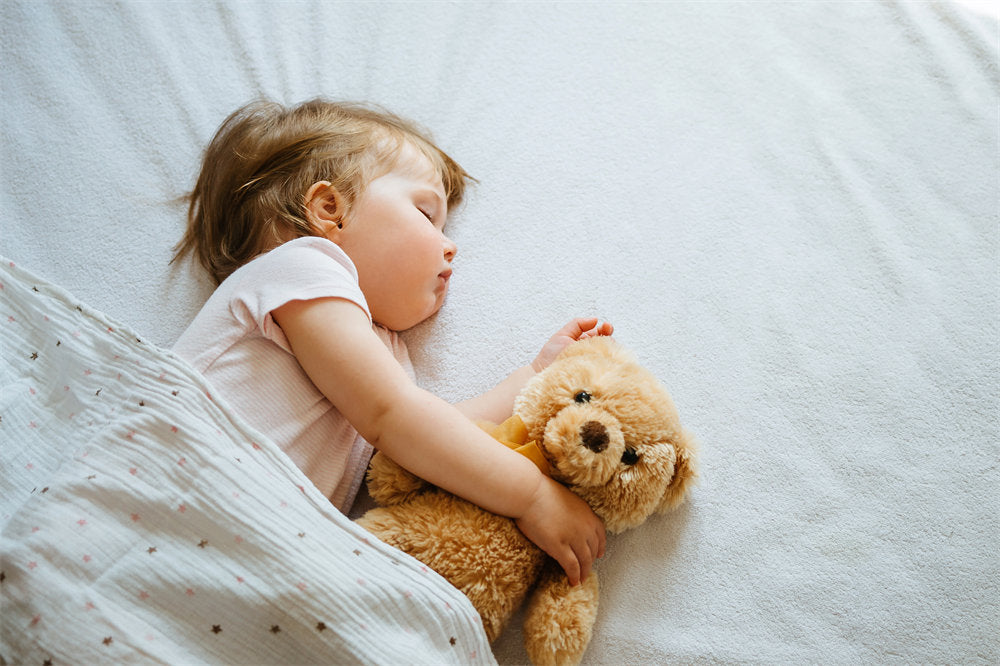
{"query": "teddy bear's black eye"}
(630, 457)
(582, 396)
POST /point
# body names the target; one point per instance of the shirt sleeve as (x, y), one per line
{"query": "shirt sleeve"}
(394, 343)
(299, 270)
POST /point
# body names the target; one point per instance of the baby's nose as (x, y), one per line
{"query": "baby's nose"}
(450, 249)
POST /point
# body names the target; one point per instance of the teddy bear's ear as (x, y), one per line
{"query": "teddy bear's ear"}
(600, 345)
(685, 473)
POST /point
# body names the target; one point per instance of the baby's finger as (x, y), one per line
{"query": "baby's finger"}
(571, 565)
(596, 545)
(598, 330)
(576, 328)
(586, 560)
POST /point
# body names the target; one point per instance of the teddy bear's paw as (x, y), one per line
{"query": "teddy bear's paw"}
(390, 484)
(559, 619)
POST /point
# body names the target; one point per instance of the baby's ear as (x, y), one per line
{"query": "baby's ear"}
(325, 208)
(685, 473)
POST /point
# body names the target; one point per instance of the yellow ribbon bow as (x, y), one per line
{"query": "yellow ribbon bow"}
(513, 434)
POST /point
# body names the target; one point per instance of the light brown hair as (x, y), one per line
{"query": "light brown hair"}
(250, 193)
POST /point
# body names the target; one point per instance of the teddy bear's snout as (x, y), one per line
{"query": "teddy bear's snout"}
(594, 436)
(583, 444)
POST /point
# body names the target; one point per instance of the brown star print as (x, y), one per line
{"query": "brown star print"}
(357, 552)
(216, 628)
(452, 640)
(47, 662)
(151, 550)
(108, 640)
(203, 543)
(34, 356)
(275, 629)
(320, 626)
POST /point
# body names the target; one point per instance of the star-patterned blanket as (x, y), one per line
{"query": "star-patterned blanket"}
(143, 521)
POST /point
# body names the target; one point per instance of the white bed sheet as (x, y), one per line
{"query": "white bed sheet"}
(788, 209)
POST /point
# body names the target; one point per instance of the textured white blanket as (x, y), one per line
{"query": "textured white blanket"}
(141, 521)
(788, 209)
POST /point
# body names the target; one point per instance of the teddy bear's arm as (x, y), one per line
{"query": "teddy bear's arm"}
(389, 484)
(559, 618)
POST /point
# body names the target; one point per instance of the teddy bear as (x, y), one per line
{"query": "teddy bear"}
(595, 421)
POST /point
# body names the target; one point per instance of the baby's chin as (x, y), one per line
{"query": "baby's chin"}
(400, 324)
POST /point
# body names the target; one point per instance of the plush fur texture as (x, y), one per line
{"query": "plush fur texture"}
(610, 432)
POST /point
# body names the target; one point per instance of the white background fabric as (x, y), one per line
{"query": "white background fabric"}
(789, 210)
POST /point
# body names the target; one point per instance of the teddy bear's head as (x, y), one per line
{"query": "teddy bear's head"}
(610, 432)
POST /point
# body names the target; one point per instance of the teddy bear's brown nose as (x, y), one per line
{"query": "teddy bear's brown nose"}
(594, 436)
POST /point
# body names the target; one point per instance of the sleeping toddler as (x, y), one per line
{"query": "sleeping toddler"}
(323, 226)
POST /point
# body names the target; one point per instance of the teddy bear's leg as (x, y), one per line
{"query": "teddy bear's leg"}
(559, 618)
(389, 484)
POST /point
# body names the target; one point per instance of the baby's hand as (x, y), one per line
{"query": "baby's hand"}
(564, 526)
(578, 329)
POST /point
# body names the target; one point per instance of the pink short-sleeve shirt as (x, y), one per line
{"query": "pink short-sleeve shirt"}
(243, 353)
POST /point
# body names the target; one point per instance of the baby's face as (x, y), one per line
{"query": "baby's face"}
(394, 234)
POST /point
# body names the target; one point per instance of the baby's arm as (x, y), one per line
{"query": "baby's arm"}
(335, 345)
(497, 404)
